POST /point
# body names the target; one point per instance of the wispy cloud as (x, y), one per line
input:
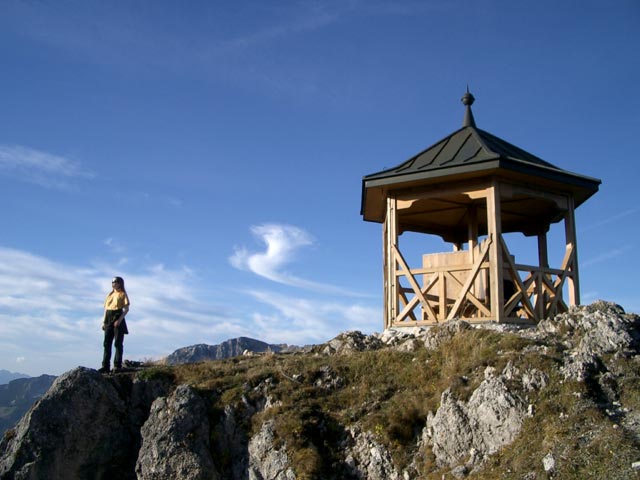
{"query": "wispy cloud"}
(315, 320)
(51, 312)
(40, 168)
(144, 198)
(612, 219)
(608, 255)
(114, 245)
(283, 245)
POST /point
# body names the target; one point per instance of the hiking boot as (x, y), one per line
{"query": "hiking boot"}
(104, 370)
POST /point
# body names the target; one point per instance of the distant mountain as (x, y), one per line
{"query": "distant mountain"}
(6, 376)
(227, 349)
(17, 396)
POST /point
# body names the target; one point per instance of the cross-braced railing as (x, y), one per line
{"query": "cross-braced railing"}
(457, 285)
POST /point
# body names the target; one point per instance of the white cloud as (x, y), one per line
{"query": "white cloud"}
(40, 168)
(283, 244)
(302, 320)
(114, 245)
(611, 219)
(608, 255)
(51, 312)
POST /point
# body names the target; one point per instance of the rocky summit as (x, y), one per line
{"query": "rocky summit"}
(558, 400)
(230, 348)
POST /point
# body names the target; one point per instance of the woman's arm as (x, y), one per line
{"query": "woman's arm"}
(125, 310)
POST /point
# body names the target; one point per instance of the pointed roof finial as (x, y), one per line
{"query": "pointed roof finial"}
(467, 101)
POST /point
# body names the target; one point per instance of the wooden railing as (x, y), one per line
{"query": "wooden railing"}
(438, 293)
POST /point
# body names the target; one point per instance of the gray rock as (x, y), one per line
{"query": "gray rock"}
(230, 348)
(534, 379)
(436, 336)
(17, 397)
(469, 431)
(266, 462)
(94, 427)
(175, 439)
(411, 339)
(369, 459)
(78, 429)
(349, 342)
(549, 463)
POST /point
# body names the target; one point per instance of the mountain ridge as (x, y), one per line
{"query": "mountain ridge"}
(17, 396)
(229, 348)
(6, 376)
(455, 401)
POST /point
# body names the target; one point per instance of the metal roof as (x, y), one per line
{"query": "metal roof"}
(471, 151)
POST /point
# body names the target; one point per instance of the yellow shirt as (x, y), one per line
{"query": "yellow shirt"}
(116, 300)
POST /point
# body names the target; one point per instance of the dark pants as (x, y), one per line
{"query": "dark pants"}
(110, 334)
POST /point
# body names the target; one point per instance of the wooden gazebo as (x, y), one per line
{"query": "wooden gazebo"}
(470, 188)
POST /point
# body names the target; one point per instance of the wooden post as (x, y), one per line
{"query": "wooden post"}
(543, 262)
(391, 284)
(496, 273)
(385, 271)
(473, 232)
(571, 239)
(473, 243)
(543, 250)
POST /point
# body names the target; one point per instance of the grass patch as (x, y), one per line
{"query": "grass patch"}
(162, 373)
(390, 393)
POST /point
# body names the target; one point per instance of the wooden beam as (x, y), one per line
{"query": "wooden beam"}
(413, 282)
(471, 278)
(391, 240)
(470, 296)
(558, 284)
(516, 278)
(415, 300)
(570, 233)
(473, 192)
(495, 254)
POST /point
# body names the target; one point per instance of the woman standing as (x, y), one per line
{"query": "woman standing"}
(116, 306)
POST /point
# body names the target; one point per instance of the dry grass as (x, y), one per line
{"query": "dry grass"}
(390, 394)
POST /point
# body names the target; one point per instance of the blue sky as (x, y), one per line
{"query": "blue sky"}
(211, 153)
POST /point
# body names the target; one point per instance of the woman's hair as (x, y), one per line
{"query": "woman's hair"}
(120, 280)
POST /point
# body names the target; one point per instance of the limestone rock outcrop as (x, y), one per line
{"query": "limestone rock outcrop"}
(469, 431)
(85, 426)
(148, 425)
(175, 439)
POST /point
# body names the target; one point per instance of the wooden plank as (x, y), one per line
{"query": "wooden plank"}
(516, 277)
(494, 227)
(473, 191)
(471, 278)
(442, 303)
(547, 271)
(570, 233)
(392, 239)
(385, 273)
(566, 262)
(413, 282)
(415, 300)
(472, 298)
